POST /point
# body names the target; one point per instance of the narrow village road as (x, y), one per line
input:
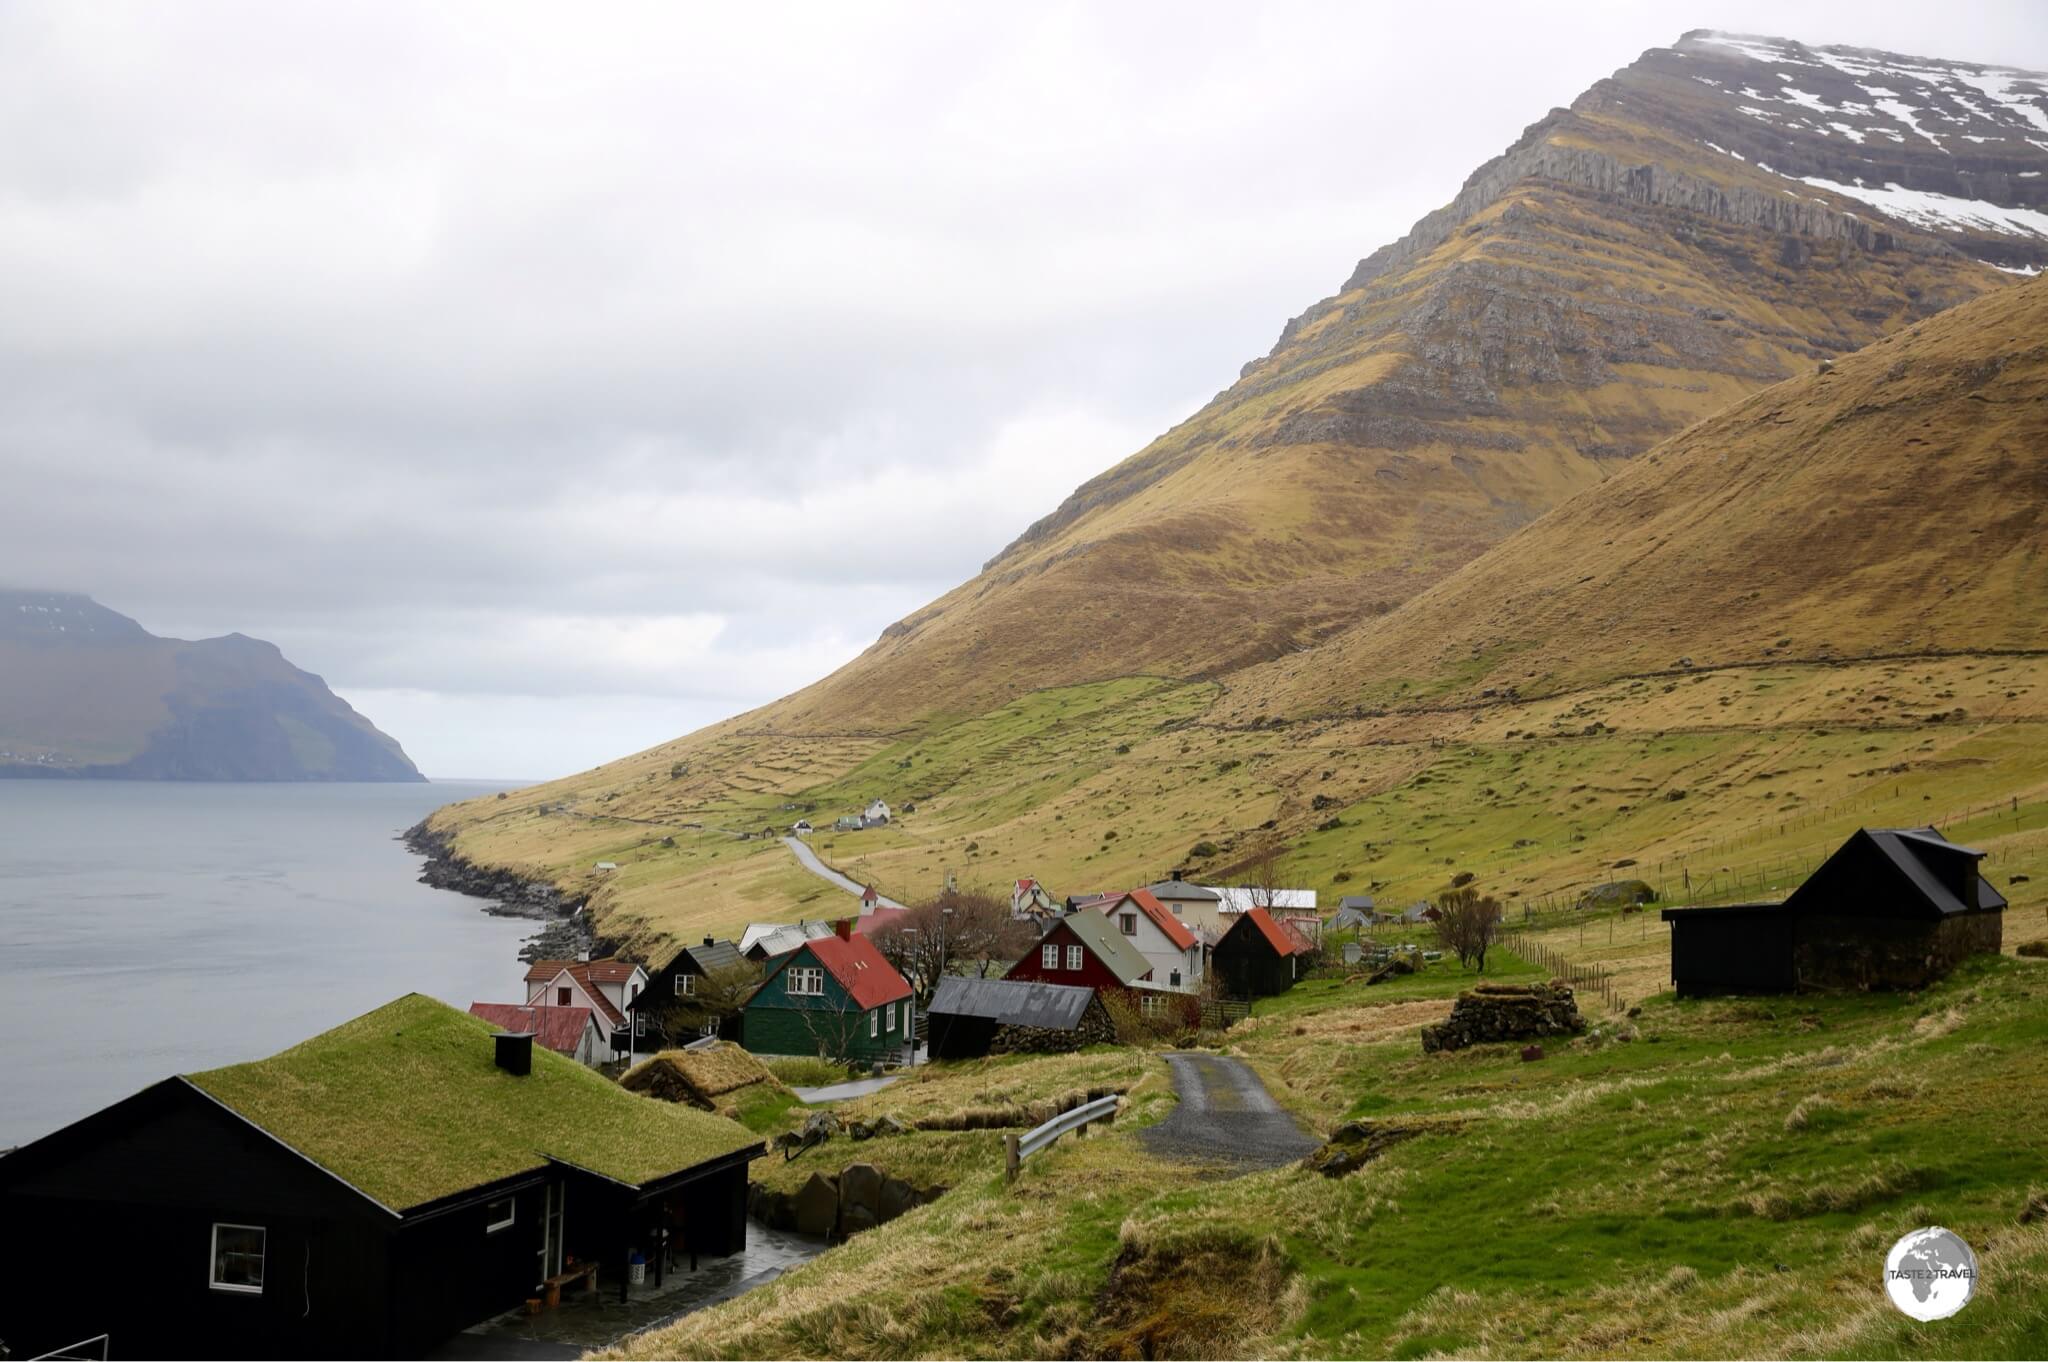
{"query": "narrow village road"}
(1225, 1113)
(809, 860)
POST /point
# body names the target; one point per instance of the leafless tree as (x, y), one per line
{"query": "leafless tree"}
(971, 930)
(1467, 922)
(1266, 873)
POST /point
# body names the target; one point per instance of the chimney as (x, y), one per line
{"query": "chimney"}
(583, 957)
(711, 941)
(843, 929)
(515, 1052)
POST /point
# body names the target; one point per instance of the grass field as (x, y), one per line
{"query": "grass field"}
(1724, 1185)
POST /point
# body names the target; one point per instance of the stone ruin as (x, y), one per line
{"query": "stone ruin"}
(859, 1197)
(1502, 1012)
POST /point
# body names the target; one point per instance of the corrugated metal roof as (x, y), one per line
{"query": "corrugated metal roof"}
(1181, 889)
(1283, 940)
(1237, 898)
(558, 1028)
(1174, 929)
(860, 969)
(1013, 1002)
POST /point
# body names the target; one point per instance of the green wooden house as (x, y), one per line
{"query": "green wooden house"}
(834, 996)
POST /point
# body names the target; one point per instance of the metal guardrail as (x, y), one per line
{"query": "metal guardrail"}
(1075, 1120)
(85, 1350)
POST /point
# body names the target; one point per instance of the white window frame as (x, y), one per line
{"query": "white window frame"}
(511, 1205)
(875, 1024)
(639, 1024)
(807, 981)
(686, 985)
(213, 1260)
(1048, 957)
(1127, 923)
(1073, 957)
(889, 1016)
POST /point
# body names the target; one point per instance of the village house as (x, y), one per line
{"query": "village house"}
(835, 997)
(1083, 949)
(367, 1193)
(1030, 901)
(1891, 908)
(568, 1031)
(1259, 956)
(1193, 904)
(603, 986)
(875, 815)
(970, 1018)
(676, 1005)
(763, 941)
(1175, 953)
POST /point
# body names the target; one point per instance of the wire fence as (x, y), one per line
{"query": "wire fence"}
(1582, 978)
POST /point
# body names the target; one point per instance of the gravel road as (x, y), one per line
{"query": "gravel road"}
(1225, 1113)
(809, 860)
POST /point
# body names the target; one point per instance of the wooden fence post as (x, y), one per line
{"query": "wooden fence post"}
(1010, 1158)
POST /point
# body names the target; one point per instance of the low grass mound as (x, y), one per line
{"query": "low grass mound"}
(800, 1071)
(699, 1077)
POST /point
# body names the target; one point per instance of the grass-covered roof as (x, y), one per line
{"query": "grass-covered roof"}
(407, 1103)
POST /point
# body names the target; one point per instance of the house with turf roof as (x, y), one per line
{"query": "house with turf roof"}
(834, 996)
(367, 1193)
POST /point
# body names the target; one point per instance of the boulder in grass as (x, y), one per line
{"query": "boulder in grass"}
(816, 1205)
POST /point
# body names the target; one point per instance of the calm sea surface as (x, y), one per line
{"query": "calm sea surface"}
(148, 929)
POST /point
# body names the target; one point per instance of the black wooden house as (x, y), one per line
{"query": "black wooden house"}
(1259, 956)
(1892, 908)
(678, 1006)
(364, 1194)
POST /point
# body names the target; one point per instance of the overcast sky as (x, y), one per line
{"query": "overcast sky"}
(555, 380)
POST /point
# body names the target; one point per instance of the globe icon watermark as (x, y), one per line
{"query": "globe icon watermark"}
(1930, 1273)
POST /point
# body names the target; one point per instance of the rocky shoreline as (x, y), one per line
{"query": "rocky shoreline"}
(565, 933)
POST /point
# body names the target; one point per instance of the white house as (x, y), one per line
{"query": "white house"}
(1169, 945)
(603, 986)
(1029, 899)
(1191, 903)
(875, 815)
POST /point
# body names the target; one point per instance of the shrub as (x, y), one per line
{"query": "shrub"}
(1202, 850)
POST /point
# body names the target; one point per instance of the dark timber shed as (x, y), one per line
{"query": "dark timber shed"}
(1892, 908)
(974, 1017)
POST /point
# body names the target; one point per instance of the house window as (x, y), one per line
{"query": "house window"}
(1073, 957)
(238, 1258)
(889, 1017)
(634, 994)
(874, 1024)
(1174, 979)
(1149, 1004)
(686, 985)
(1129, 922)
(499, 1214)
(639, 1025)
(561, 997)
(1049, 957)
(807, 981)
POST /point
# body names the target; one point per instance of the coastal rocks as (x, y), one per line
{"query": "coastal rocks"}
(858, 1198)
(566, 933)
(880, 1125)
(1498, 1012)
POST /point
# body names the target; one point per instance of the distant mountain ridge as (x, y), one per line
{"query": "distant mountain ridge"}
(86, 692)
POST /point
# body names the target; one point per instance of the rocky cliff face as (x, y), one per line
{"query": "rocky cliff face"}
(85, 691)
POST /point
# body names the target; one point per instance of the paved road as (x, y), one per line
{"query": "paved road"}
(1225, 1113)
(840, 1092)
(809, 860)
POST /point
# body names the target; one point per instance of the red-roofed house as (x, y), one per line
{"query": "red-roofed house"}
(603, 986)
(565, 1030)
(1259, 957)
(1175, 952)
(835, 997)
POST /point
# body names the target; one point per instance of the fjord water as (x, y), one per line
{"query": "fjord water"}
(152, 928)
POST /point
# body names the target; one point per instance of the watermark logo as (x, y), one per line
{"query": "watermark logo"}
(1930, 1273)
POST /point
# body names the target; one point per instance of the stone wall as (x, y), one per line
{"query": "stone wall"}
(1864, 952)
(858, 1197)
(1504, 1012)
(1095, 1029)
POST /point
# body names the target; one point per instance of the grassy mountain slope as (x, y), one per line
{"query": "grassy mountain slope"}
(86, 692)
(1101, 699)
